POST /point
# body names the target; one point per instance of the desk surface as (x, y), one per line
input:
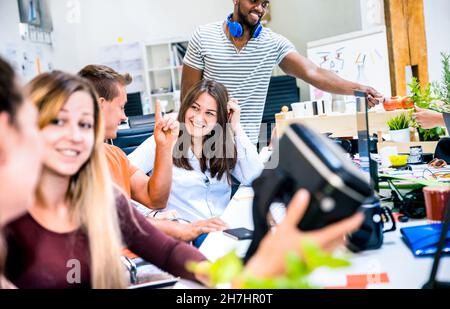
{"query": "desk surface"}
(394, 258)
(342, 125)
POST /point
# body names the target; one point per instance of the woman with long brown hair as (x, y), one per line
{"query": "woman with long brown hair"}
(72, 237)
(211, 148)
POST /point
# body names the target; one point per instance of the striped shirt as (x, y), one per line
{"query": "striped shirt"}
(246, 73)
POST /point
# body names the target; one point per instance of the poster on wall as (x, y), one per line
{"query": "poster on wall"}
(361, 57)
(27, 59)
(125, 57)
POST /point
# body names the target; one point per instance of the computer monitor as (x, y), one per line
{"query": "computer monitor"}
(35, 13)
(368, 165)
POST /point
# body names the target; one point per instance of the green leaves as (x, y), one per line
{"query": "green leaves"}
(445, 93)
(315, 258)
(431, 134)
(435, 96)
(399, 122)
(224, 270)
(436, 91)
(421, 97)
(298, 269)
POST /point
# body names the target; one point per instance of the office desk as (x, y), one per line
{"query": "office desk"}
(341, 125)
(394, 258)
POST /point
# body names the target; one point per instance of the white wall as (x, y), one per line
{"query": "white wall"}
(78, 40)
(10, 40)
(302, 21)
(437, 28)
(102, 22)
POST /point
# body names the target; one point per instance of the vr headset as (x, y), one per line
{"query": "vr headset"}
(313, 162)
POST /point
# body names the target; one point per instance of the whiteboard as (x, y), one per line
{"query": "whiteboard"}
(359, 57)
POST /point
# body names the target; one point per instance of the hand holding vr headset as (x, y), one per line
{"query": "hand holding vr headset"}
(327, 197)
(269, 259)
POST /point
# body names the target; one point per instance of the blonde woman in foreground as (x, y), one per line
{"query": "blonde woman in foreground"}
(73, 236)
(19, 143)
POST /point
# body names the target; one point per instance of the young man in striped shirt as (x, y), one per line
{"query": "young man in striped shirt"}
(241, 54)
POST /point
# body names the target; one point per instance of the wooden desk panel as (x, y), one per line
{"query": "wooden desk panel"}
(341, 125)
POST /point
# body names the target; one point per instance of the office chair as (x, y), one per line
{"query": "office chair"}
(128, 140)
(134, 104)
(282, 91)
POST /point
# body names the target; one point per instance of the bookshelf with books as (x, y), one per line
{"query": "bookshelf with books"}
(163, 62)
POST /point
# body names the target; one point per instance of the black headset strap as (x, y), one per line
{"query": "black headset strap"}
(266, 188)
(432, 283)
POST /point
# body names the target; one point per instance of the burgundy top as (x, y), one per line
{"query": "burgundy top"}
(39, 258)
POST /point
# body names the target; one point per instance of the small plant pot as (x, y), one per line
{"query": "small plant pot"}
(422, 138)
(401, 136)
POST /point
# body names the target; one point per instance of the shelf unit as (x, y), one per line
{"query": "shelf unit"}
(163, 61)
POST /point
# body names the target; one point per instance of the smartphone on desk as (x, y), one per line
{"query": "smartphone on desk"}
(239, 233)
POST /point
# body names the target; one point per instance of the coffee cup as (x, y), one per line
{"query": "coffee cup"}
(436, 200)
(327, 107)
(386, 153)
(318, 107)
(309, 110)
(339, 106)
(415, 155)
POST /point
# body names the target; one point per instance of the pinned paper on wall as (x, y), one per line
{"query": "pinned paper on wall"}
(125, 57)
(28, 60)
(332, 60)
(11, 54)
(121, 52)
(360, 57)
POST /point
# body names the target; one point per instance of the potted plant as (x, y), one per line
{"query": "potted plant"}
(399, 128)
(435, 96)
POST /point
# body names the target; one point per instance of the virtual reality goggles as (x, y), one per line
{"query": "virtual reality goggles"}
(313, 162)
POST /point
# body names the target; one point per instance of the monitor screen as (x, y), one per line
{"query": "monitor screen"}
(36, 13)
(368, 166)
(30, 12)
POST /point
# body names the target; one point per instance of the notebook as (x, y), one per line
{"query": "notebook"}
(151, 277)
(423, 239)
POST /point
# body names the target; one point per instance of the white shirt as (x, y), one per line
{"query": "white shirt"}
(196, 195)
(246, 73)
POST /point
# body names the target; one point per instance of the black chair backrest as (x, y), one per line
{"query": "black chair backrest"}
(443, 149)
(129, 139)
(283, 90)
(134, 104)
